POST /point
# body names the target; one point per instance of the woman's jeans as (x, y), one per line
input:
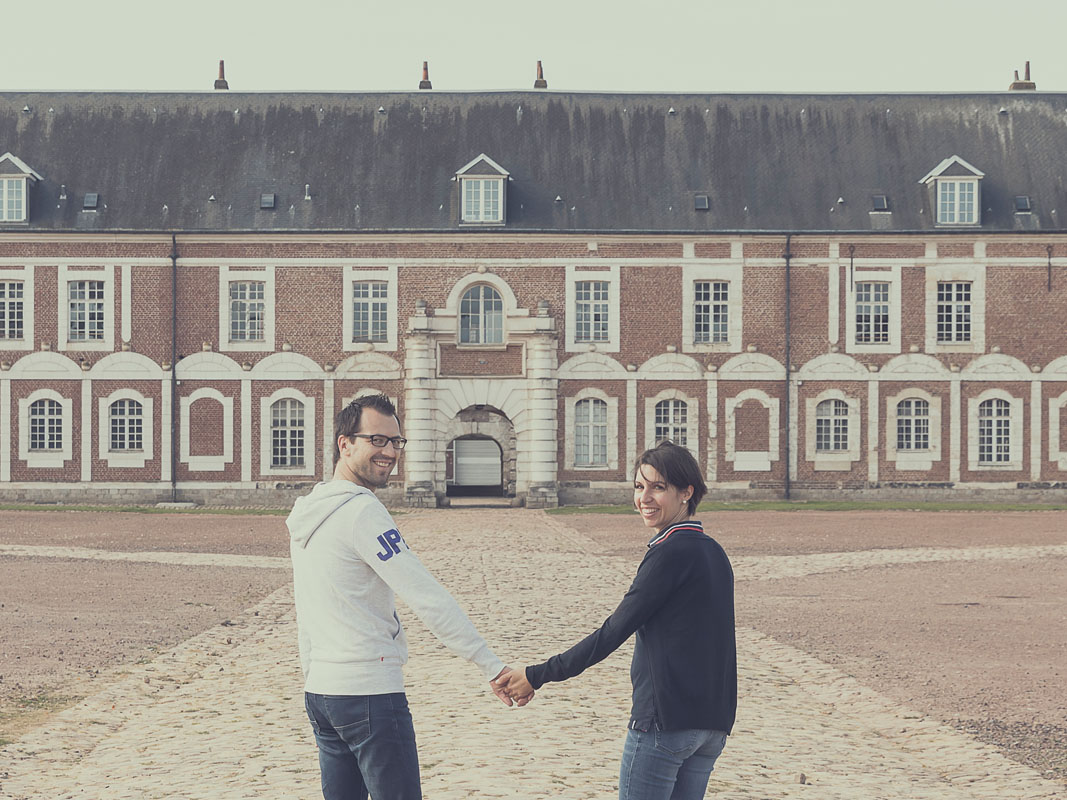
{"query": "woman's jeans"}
(668, 765)
(366, 744)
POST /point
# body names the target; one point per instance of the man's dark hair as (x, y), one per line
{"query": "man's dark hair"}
(348, 420)
(678, 467)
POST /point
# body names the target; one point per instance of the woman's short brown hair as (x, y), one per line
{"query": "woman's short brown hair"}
(677, 465)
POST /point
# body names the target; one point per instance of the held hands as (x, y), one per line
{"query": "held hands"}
(511, 685)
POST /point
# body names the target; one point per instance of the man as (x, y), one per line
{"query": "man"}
(348, 560)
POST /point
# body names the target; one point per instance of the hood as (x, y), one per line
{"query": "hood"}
(311, 510)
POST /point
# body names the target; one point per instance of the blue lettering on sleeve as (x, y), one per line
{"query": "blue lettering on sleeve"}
(390, 542)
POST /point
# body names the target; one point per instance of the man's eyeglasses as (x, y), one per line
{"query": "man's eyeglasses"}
(381, 440)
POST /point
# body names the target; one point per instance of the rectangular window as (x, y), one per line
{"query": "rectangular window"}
(953, 312)
(46, 426)
(913, 425)
(872, 313)
(287, 434)
(11, 310)
(86, 304)
(671, 421)
(591, 433)
(957, 202)
(481, 200)
(247, 311)
(12, 200)
(591, 311)
(712, 312)
(370, 311)
(127, 426)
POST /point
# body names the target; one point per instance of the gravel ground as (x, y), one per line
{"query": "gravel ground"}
(980, 645)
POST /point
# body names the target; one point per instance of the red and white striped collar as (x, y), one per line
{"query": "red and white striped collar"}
(691, 525)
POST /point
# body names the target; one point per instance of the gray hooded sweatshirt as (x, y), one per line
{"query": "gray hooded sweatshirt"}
(348, 560)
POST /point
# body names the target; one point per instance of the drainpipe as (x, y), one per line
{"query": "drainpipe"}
(174, 368)
(788, 372)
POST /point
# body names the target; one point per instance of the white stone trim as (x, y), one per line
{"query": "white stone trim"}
(752, 461)
(837, 461)
(1015, 430)
(215, 463)
(228, 275)
(1035, 431)
(916, 460)
(833, 316)
(975, 274)
(24, 274)
(68, 275)
(692, 417)
(388, 276)
(52, 459)
(125, 458)
(5, 429)
(265, 467)
(890, 276)
(612, 432)
(1056, 455)
(574, 274)
(127, 302)
(731, 274)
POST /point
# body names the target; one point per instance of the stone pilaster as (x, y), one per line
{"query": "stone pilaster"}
(420, 370)
(539, 439)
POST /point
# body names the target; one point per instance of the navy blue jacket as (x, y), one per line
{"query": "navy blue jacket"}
(681, 605)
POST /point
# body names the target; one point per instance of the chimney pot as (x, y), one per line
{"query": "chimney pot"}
(221, 82)
(425, 82)
(1024, 85)
(540, 83)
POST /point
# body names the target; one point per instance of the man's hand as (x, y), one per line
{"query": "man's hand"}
(499, 690)
(513, 684)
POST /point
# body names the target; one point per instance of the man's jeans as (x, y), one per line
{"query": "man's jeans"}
(668, 765)
(366, 744)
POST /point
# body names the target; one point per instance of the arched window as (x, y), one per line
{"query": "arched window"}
(590, 433)
(481, 316)
(913, 424)
(287, 433)
(125, 421)
(672, 421)
(831, 426)
(994, 431)
(46, 426)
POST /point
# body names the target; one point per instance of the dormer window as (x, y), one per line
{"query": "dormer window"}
(15, 178)
(483, 187)
(957, 194)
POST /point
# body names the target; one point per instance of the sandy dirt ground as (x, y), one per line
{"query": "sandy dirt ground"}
(979, 644)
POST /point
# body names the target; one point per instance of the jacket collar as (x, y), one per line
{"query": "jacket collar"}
(690, 525)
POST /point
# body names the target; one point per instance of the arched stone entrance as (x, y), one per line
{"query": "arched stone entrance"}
(480, 456)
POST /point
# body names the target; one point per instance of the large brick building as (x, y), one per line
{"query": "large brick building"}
(814, 293)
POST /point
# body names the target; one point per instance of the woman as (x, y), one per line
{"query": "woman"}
(684, 668)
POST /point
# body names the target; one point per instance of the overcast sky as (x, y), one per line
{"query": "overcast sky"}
(662, 45)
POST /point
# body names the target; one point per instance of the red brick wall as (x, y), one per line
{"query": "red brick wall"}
(467, 361)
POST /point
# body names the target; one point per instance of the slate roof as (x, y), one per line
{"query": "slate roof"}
(619, 162)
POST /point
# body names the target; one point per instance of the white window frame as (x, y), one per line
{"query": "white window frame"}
(835, 461)
(913, 460)
(228, 275)
(1015, 432)
(891, 277)
(68, 275)
(7, 192)
(975, 274)
(46, 459)
(125, 458)
(702, 273)
(752, 460)
(23, 275)
(388, 276)
(266, 445)
(473, 200)
(574, 276)
(206, 463)
(570, 420)
(502, 311)
(951, 217)
(692, 419)
(1056, 406)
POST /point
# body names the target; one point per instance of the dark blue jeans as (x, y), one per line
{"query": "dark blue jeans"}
(366, 745)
